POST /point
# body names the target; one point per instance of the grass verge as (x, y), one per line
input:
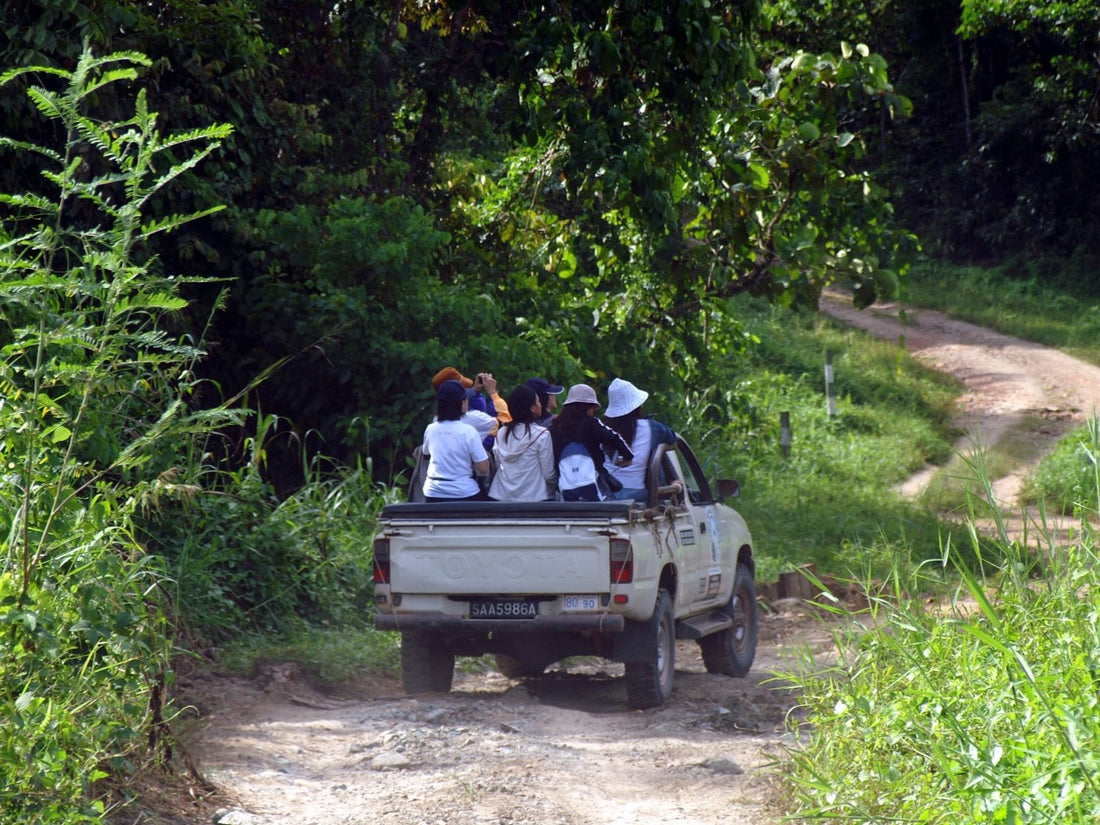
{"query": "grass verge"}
(1017, 299)
(979, 708)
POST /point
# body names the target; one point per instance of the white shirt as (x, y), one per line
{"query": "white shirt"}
(484, 423)
(633, 476)
(453, 449)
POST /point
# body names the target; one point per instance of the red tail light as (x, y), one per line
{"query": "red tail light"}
(381, 561)
(622, 561)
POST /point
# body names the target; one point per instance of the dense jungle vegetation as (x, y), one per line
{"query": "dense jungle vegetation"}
(238, 238)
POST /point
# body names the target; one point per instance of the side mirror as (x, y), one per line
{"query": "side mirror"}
(728, 488)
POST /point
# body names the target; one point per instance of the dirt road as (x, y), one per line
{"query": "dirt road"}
(1016, 390)
(565, 749)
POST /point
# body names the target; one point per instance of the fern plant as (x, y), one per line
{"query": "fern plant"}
(94, 418)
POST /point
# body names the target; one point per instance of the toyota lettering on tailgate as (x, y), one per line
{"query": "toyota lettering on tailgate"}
(481, 565)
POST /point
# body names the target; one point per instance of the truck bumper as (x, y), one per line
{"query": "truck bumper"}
(606, 623)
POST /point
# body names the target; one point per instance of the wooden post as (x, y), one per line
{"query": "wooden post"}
(829, 383)
(785, 434)
(796, 584)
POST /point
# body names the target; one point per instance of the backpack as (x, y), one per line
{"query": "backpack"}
(577, 476)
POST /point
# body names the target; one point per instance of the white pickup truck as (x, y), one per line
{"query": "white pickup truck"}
(533, 584)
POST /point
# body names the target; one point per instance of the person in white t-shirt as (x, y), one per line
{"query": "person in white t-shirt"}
(454, 449)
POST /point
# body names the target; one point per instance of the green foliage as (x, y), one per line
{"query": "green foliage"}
(544, 181)
(1067, 479)
(95, 411)
(356, 295)
(981, 711)
(1062, 17)
(239, 558)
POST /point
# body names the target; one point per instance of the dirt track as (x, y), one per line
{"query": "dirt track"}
(1015, 389)
(564, 749)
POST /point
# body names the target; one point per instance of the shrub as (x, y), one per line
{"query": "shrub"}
(94, 411)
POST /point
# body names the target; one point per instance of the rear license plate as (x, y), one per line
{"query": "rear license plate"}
(571, 604)
(503, 609)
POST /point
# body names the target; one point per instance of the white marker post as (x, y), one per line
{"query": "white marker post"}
(829, 383)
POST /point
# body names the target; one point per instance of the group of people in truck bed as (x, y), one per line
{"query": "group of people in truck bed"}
(481, 447)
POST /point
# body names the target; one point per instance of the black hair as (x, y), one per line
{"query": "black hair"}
(519, 406)
(564, 426)
(448, 409)
(625, 425)
(544, 396)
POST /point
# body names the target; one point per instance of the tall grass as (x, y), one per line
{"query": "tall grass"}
(979, 709)
(1065, 480)
(241, 559)
(96, 403)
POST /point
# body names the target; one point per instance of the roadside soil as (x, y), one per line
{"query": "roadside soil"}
(564, 749)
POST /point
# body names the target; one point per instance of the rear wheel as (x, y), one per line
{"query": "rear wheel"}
(731, 651)
(649, 684)
(427, 664)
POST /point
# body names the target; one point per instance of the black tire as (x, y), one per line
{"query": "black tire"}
(427, 664)
(649, 684)
(515, 668)
(730, 652)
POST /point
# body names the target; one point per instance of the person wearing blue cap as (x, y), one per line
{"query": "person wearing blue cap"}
(547, 393)
(454, 449)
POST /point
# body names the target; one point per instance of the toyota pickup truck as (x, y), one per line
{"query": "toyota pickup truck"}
(535, 583)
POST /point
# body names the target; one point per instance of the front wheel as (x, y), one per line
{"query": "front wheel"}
(427, 664)
(731, 651)
(649, 684)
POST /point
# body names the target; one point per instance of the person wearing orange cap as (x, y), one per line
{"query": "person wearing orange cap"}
(455, 453)
(486, 410)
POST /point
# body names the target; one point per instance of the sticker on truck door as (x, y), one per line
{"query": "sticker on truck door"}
(715, 534)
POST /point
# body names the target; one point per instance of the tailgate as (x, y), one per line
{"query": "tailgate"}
(539, 559)
(522, 555)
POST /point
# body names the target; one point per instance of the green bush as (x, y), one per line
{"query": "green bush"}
(241, 559)
(1066, 480)
(95, 411)
(981, 711)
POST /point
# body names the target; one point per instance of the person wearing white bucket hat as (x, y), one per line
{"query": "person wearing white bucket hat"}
(624, 416)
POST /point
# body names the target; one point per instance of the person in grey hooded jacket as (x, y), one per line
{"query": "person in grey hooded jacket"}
(524, 452)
